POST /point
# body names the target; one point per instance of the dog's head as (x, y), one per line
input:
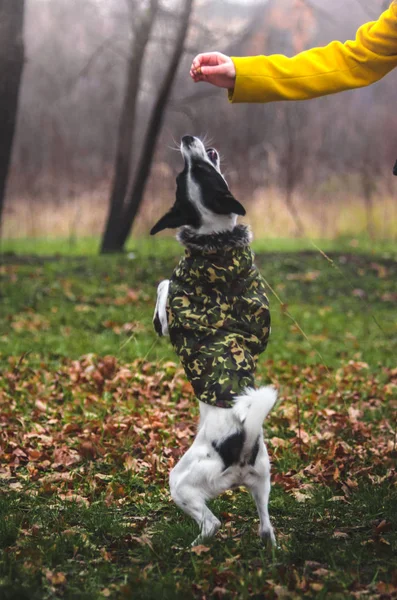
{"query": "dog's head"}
(203, 199)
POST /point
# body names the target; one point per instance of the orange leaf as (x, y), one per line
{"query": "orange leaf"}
(200, 549)
(56, 578)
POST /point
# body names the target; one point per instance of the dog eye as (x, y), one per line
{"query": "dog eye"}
(212, 155)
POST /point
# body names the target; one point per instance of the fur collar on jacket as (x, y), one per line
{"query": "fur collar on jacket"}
(239, 237)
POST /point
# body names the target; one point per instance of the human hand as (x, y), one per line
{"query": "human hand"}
(215, 68)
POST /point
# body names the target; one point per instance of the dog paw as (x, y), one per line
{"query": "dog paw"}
(267, 536)
(207, 533)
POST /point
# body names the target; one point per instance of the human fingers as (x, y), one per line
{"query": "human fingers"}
(215, 68)
(206, 73)
(212, 70)
(210, 66)
(196, 74)
(209, 58)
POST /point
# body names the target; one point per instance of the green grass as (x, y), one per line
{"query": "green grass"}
(83, 246)
(89, 246)
(166, 568)
(69, 306)
(91, 400)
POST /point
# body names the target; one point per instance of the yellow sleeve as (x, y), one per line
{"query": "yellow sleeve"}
(320, 71)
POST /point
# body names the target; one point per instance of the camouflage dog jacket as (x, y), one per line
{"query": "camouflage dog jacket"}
(218, 313)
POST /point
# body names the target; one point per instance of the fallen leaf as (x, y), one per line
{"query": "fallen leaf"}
(219, 591)
(41, 406)
(340, 535)
(15, 486)
(338, 499)
(383, 526)
(200, 549)
(56, 578)
(74, 498)
(300, 496)
(321, 572)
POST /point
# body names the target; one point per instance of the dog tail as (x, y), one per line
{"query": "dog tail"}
(252, 408)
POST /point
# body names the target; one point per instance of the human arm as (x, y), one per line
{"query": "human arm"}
(316, 72)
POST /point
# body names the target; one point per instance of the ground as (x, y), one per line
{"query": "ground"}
(95, 410)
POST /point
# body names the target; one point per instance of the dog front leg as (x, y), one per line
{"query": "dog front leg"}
(160, 320)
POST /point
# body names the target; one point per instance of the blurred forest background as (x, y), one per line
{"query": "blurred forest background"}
(105, 95)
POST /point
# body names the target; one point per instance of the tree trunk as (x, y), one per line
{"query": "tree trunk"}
(368, 179)
(12, 58)
(153, 131)
(293, 168)
(154, 128)
(126, 128)
(300, 228)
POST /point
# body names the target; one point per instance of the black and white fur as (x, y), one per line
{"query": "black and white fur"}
(229, 448)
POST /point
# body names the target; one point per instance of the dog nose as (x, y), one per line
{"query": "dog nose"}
(187, 140)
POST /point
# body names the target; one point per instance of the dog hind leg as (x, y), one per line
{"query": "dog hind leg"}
(258, 484)
(190, 491)
(192, 503)
(260, 493)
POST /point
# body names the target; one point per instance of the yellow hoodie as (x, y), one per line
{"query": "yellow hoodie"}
(320, 71)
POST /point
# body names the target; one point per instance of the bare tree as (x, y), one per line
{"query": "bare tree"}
(11, 67)
(370, 159)
(124, 209)
(154, 127)
(293, 158)
(368, 172)
(122, 167)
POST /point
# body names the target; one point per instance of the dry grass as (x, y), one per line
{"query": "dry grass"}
(84, 214)
(323, 217)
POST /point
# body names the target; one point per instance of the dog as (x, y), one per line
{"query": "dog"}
(216, 312)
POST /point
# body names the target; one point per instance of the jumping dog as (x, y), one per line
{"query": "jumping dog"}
(216, 313)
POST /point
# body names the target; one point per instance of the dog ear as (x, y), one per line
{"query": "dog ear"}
(172, 219)
(226, 204)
